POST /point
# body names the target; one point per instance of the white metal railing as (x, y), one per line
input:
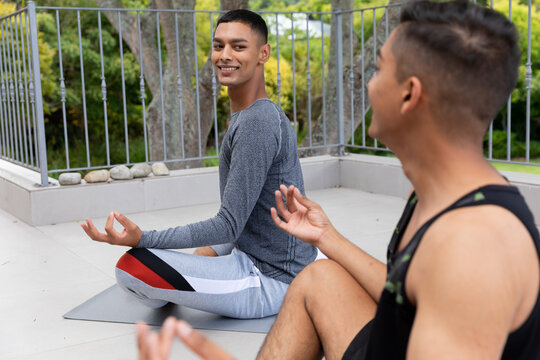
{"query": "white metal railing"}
(162, 92)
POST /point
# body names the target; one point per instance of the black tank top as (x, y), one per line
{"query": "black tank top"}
(394, 318)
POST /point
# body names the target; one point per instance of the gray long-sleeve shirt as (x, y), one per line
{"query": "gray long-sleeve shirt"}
(257, 155)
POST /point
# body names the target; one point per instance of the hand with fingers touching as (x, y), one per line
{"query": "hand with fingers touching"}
(153, 346)
(130, 236)
(157, 347)
(304, 218)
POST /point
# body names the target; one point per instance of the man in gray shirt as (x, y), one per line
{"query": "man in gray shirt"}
(253, 261)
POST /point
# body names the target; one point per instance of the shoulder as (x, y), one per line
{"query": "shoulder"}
(473, 255)
(258, 126)
(263, 113)
(485, 236)
(467, 283)
(484, 222)
(473, 280)
(265, 105)
(478, 229)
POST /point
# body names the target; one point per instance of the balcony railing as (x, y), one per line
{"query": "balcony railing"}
(88, 88)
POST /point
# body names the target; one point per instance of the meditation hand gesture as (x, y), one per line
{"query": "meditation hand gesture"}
(153, 346)
(130, 236)
(304, 218)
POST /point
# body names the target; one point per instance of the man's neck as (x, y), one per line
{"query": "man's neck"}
(444, 172)
(242, 96)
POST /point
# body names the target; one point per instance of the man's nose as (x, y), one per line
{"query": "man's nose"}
(226, 54)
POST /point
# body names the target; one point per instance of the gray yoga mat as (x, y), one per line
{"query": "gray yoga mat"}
(115, 305)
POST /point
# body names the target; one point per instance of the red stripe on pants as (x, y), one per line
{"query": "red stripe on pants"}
(134, 267)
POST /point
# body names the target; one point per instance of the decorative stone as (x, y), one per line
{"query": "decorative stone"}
(140, 170)
(73, 178)
(160, 169)
(121, 172)
(97, 176)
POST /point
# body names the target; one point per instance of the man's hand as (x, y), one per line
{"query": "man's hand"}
(153, 346)
(130, 236)
(158, 347)
(304, 218)
(205, 251)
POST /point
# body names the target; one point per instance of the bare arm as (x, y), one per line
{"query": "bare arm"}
(307, 221)
(469, 280)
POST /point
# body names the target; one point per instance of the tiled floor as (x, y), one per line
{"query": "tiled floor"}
(45, 271)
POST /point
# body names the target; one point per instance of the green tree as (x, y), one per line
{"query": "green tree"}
(99, 119)
(517, 132)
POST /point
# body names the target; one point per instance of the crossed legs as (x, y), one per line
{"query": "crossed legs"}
(322, 312)
(228, 285)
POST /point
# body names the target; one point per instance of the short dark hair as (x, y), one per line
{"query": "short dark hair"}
(253, 20)
(468, 55)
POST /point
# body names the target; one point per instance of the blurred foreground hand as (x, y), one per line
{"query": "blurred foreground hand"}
(154, 346)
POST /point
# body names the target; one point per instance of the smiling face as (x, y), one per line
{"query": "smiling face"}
(237, 53)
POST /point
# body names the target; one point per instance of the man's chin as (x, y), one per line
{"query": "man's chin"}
(226, 81)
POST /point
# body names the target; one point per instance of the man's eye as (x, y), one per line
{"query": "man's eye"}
(218, 46)
(239, 47)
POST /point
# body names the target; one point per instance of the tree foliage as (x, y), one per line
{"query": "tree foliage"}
(92, 118)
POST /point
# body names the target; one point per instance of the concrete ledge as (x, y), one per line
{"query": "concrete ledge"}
(384, 175)
(374, 174)
(321, 172)
(15, 200)
(21, 195)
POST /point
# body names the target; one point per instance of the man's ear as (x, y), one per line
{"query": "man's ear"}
(264, 53)
(412, 92)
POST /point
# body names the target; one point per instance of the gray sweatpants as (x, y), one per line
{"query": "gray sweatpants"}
(228, 285)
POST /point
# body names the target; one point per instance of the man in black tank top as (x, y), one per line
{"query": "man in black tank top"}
(462, 277)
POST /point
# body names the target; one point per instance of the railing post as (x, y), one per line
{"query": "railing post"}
(38, 98)
(339, 85)
(528, 82)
